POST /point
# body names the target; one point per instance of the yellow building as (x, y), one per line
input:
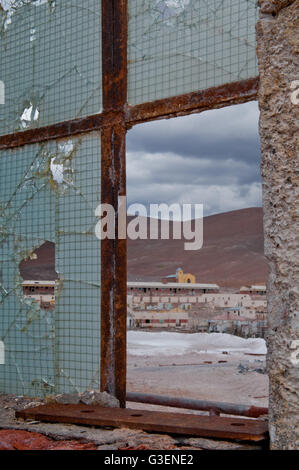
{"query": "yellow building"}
(184, 278)
(180, 277)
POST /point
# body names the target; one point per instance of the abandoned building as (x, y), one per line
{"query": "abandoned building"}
(158, 288)
(197, 307)
(161, 319)
(258, 290)
(43, 292)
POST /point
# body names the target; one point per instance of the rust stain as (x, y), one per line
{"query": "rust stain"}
(13, 439)
(114, 53)
(113, 271)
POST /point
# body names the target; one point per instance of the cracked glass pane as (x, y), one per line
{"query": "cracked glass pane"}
(50, 61)
(48, 194)
(180, 46)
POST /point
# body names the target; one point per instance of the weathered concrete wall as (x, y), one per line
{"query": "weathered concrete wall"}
(278, 55)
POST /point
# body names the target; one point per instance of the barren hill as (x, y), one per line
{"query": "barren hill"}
(232, 253)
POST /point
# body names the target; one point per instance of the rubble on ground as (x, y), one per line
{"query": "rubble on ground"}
(34, 435)
(89, 397)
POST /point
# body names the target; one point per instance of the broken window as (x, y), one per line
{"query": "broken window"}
(50, 61)
(48, 193)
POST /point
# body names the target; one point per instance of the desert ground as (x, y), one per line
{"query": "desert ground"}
(217, 367)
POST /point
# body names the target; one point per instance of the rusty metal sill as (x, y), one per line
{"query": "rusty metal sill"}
(153, 421)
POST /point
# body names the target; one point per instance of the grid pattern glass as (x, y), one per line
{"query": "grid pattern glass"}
(51, 68)
(50, 61)
(180, 46)
(49, 192)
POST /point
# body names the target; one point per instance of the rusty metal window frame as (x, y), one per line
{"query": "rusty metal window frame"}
(114, 121)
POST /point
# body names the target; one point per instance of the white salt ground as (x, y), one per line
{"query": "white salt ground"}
(141, 343)
(204, 366)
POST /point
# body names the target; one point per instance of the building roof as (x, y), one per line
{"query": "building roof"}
(247, 288)
(169, 285)
(231, 309)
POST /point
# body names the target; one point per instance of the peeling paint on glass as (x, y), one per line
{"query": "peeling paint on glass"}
(180, 46)
(50, 61)
(49, 192)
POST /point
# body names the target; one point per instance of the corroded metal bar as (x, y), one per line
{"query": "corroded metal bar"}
(113, 185)
(52, 132)
(201, 405)
(195, 102)
(152, 421)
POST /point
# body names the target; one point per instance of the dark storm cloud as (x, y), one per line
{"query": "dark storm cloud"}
(212, 158)
(225, 133)
(178, 169)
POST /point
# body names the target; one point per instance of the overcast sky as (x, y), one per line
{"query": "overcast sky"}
(211, 158)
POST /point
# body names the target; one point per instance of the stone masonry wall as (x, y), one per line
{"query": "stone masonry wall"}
(278, 56)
